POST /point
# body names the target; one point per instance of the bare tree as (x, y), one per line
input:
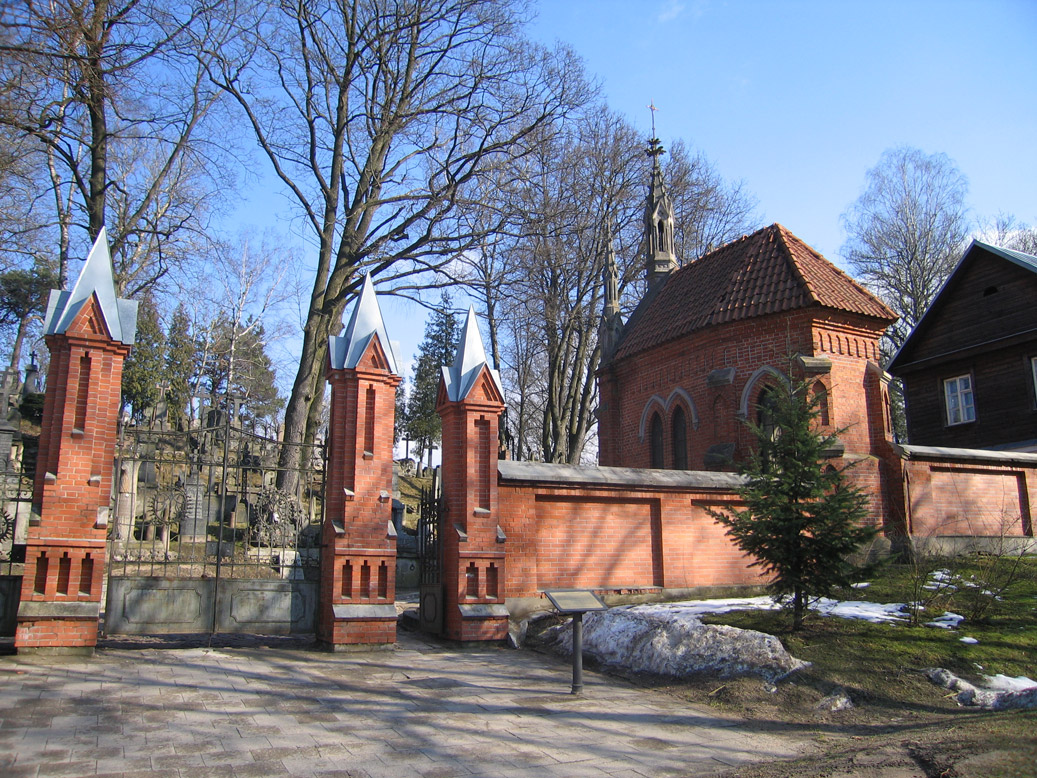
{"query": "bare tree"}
(380, 118)
(906, 231)
(115, 97)
(708, 210)
(539, 279)
(234, 301)
(1010, 233)
(540, 275)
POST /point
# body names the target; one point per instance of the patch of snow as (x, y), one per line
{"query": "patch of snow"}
(947, 621)
(991, 698)
(1008, 684)
(868, 611)
(836, 701)
(970, 641)
(694, 608)
(861, 585)
(940, 580)
(875, 612)
(667, 642)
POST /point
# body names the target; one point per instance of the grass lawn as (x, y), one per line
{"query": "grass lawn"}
(900, 724)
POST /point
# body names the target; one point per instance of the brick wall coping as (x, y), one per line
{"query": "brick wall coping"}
(617, 476)
(939, 452)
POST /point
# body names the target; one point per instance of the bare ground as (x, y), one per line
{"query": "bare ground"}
(900, 724)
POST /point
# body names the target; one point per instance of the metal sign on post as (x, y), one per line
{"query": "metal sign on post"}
(577, 602)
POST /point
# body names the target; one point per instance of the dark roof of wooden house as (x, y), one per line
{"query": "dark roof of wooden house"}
(977, 249)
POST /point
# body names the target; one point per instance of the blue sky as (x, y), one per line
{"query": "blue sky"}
(798, 99)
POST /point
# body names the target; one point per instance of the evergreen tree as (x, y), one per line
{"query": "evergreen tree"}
(437, 349)
(142, 372)
(399, 428)
(802, 518)
(180, 360)
(23, 301)
(243, 357)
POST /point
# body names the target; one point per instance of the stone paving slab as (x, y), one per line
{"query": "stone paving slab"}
(421, 709)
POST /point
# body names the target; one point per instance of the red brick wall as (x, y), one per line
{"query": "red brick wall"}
(948, 497)
(571, 531)
(616, 539)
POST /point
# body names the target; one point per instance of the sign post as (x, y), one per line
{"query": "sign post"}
(577, 602)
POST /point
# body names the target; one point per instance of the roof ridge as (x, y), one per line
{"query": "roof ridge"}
(768, 271)
(785, 234)
(1020, 258)
(838, 270)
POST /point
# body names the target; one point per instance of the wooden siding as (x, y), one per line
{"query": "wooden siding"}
(1006, 411)
(988, 300)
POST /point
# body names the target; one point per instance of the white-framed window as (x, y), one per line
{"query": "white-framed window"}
(961, 406)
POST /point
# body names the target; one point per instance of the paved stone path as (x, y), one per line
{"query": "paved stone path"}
(421, 709)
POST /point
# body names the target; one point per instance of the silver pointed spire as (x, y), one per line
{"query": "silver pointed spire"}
(460, 377)
(95, 279)
(346, 350)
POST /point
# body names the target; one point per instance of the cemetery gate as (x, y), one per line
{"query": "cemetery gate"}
(209, 534)
(430, 560)
(17, 470)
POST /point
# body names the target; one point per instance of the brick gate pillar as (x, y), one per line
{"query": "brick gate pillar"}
(358, 562)
(470, 402)
(89, 332)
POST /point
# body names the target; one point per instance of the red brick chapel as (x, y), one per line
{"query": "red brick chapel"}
(700, 351)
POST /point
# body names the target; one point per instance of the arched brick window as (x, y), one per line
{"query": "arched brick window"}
(655, 441)
(679, 437)
(766, 404)
(820, 393)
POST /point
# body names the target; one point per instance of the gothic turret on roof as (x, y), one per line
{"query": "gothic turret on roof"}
(460, 378)
(98, 281)
(611, 317)
(346, 350)
(659, 223)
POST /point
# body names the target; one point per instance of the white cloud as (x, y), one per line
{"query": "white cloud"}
(671, 10)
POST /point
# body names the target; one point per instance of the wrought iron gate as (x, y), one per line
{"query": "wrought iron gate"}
(17, 470)
(430, 587)
(211, 534)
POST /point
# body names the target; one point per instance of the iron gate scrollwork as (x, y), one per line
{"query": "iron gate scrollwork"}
(430, 588)
(17, 471)
(211, 533)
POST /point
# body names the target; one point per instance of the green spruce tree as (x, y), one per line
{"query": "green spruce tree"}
(802, 519)
(179, 367)
(437, 349)
(242, 356)
(23, 301)
(144, 367)
(399, 429)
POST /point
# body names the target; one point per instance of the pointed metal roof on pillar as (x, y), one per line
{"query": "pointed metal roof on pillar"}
(95, 279)
(460, 378)
(346, 350)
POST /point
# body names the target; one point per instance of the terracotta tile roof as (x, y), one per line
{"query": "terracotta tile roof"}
(767, 272)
